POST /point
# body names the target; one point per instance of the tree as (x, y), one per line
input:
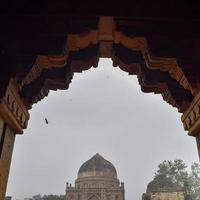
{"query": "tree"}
(53, 197)
(178, 172)
(194, 181)
(37, 197)
(175, 170)
(48, 197)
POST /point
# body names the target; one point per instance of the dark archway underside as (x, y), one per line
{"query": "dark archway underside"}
(44, 44)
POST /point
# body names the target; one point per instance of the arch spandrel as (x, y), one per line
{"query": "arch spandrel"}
(94, 197)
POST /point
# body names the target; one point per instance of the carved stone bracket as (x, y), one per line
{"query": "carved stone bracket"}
(82, 65)
(163, 64)
(13, 110)
(76, 42)
(44, 62)
(132, 68)
(106, 36)
(191, 117)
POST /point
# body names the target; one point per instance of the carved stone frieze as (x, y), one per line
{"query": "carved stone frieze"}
(191, 117)
(12, 109)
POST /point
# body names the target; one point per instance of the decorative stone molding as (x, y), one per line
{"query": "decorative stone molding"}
(50, 84)
(13, 110)
(157, 88)
(44, 62)
(76, 42)
(82, 65)
(132, 68)
(106, 36)
(55, 84)
(191, 117)
(166, 95)
(169, 65)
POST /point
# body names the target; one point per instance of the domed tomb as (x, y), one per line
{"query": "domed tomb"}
(163, 184)
(163, 188)
(96, 180)
(97, 166)
(97, 172)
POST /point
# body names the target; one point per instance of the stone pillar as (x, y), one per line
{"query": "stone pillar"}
(191, 120)
(7, 138)
(198, 143)
(13, 119)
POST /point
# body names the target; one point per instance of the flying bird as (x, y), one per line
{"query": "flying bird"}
(46, 121)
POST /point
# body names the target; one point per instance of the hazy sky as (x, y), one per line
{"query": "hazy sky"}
(103, 111)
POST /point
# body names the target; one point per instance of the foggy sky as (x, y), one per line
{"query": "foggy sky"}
(103, 111)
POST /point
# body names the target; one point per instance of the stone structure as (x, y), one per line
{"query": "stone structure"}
(162, 188)
(97, 180)
(44, 43)
(8, 198)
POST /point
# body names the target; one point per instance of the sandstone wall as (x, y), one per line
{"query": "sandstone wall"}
(167, 196)
(7, 139)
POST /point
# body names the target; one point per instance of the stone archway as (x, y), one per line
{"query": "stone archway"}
(94, 197)
(167, 73)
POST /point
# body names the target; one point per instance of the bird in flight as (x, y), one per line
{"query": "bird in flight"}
(46, 121)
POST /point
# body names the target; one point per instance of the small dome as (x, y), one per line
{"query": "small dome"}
(163, 184)
(97, 166)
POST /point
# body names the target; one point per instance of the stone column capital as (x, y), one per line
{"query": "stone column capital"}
(13, 110)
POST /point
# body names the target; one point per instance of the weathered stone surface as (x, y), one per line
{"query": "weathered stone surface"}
(191, 117)
(1, 127)
(13, 110)
(99, 165)
(162, 184)
(97, 180)
(162, 188)
(198, 144)
(165, 196)
(5, 159)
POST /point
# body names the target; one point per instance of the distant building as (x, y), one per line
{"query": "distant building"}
(8, 198)
(162, 188)
(97, 180)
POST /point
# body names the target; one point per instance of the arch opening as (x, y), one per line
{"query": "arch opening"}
(160, 69)
(106, 83)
